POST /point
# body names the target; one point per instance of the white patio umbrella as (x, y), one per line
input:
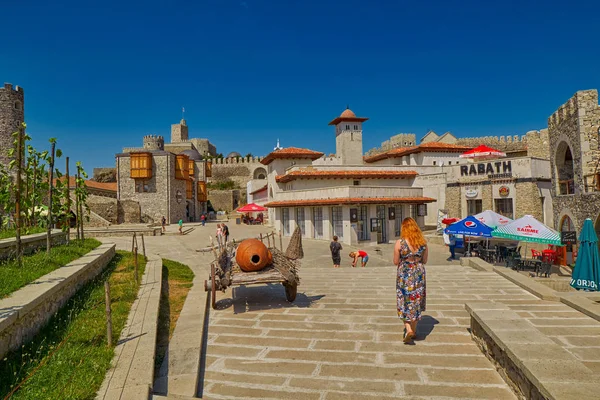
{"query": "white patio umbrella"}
(528, 229)
(492, 219)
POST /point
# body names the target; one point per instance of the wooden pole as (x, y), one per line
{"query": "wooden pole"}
(280, 241)
(33, 186)
(50, 185)
(261, 238)
(132, 242)
(78, 216)
(135, 263)
(143, 247)
(268, 240)
(108, 314)
(68, 202)
(18, 197)
(81, 206)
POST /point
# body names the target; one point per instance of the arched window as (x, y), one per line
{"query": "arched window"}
(260, 173)
(567, 224)
(564, 169)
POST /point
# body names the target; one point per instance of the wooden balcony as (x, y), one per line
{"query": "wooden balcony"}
(189, 189)
(592, 183)
(140, 165)
(182, 167)
(202, 192)
(192, 164)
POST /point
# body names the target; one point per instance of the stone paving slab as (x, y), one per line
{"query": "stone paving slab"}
(132, 369)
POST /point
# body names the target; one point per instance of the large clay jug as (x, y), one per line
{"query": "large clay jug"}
(252, 255)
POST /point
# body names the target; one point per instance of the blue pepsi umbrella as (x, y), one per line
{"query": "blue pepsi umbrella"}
(469, 226)
(587, 267)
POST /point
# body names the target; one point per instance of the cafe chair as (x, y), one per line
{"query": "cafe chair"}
(536, 254)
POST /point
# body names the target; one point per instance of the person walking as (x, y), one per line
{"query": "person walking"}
(219, 235)
(410, 255)
(203, 219)
(362, 254)
(335, 248)
(180, 223)
(225, 230)
(450, 241)
(163, 223)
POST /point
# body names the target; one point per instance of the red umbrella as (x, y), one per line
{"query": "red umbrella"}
(448, 221)
(251, 208)
(482, 151)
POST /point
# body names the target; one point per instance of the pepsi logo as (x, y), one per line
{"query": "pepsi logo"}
(470, 224)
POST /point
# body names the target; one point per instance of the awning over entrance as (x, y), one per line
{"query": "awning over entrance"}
(349, 201)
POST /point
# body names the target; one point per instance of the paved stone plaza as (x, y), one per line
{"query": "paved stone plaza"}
(341, 339)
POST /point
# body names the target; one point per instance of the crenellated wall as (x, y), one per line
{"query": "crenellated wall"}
(12, 114)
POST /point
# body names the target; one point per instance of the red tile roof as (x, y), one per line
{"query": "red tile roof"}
(260, 190)
(110, 186)
(349, 116)
(349, 201)
(351, 174)
(422, 148)
(291, 152)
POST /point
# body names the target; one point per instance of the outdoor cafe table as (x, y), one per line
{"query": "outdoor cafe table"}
(530, 263)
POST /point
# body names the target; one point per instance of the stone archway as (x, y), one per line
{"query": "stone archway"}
(260, 173)
(565, 172)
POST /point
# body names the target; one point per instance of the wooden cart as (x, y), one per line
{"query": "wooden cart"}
(224, 272)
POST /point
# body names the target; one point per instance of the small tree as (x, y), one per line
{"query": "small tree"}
(81, 195)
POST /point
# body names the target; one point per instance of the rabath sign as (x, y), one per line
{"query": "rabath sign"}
(498, 169)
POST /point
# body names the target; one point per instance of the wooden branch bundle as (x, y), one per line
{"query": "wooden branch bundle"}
(294, 250)
(285, 266)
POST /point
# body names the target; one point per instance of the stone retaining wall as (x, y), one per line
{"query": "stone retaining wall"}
(27, 310)
(31, 243)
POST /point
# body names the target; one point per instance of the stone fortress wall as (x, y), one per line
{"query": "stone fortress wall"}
(12, 114)
(533, 143)
(575, 127)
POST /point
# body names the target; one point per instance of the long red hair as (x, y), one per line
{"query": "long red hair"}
(412, 233)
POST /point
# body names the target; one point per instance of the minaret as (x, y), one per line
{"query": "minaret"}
(348, 138)
(179, 132)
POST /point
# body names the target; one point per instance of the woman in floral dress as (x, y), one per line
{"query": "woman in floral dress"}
(410, 255)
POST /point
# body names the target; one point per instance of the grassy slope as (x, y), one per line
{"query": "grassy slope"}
(70, 352)
(36, 265)
(11, 233)
(177, 281)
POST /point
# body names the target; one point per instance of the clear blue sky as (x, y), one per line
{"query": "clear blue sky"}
(98, 76)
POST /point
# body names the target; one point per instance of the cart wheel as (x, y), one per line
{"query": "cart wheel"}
(290, 291)
(213, 289)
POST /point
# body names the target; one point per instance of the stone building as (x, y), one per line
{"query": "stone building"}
(12, 114)
(340, 195)
(575, 161)
(160, 179)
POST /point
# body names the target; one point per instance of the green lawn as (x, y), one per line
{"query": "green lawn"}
(177, 281)
(69, 358)
(11, 233)
(39, 264)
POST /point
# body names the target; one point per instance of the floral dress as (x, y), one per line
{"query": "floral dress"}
(410, 284)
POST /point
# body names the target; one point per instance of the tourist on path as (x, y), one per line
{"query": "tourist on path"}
(335, 248)
(362, 254)
(410, 255)
(219, 235)
(203, 219)
(163, 223)
(450, 241)
(180, 223)
(225, 230)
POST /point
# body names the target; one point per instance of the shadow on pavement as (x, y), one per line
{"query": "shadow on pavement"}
(426, 326)
(264, 297)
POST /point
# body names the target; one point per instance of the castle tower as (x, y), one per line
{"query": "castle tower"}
(154, 142)
(348, 138)
(12, 114)
(179, 132)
